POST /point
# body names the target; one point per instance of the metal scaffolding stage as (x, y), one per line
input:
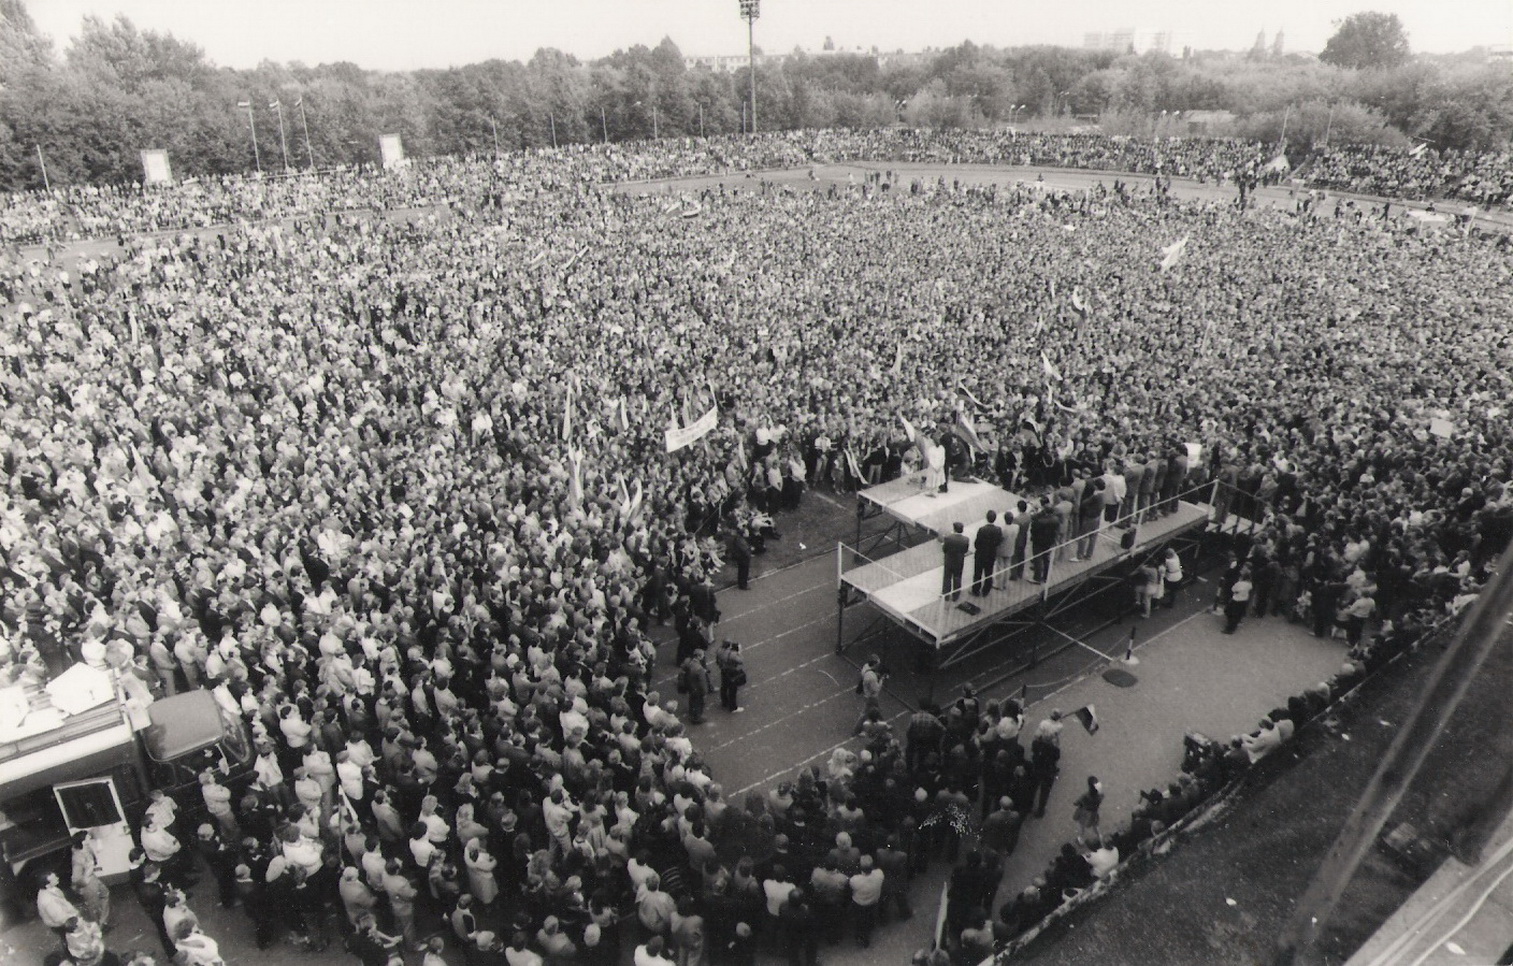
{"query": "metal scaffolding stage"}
(906, 587)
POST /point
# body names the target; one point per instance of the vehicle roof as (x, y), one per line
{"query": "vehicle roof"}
(181, 724)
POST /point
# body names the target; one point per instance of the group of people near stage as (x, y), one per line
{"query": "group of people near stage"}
(399, 494)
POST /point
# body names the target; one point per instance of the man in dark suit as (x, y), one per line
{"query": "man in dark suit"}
(985, 555)
(955, 549)
(1021, 540)
(1043, 528)
(740, 555)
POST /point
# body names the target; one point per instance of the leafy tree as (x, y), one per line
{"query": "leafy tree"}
(1367, 40)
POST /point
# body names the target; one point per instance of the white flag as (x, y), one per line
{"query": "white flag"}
(1173, 253)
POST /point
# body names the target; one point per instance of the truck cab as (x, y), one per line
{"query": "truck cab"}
(92, 769)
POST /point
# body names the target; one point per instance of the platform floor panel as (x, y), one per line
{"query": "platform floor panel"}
(967, 502)
(904, 589)
(876, 575)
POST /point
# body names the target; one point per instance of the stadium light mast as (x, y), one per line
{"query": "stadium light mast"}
(750, 11)
(257, 157)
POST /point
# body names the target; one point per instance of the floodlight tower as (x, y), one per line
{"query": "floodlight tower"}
(750, 10)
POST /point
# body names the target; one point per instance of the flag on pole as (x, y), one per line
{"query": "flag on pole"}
(898, 359)
(1172, 253)
(1088, 717)
(1024, 692)
(968, 432)
(856, 470)
(273, 104)
(1081, 306)
(968, 393)
(575, 483)
(624, 416)
(1050, 370)
(911, 432)
(1418, 149)
(567, 414)
(1130, 659)
(299, 100)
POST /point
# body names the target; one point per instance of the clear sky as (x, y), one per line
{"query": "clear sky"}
(407, 34)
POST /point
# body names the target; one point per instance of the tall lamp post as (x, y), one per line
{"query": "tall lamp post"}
(750, 10)
(283, 145)
(257, 157)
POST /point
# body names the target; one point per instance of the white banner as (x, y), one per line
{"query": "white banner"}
(679, 437)
(392, 150)
(155, 167)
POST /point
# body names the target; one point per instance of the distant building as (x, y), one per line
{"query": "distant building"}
(1500, 54)
(730, 63)
(1129, 40)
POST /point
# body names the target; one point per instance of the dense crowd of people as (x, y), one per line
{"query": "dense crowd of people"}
(1480, 178)
(397, 491)
(92, 211)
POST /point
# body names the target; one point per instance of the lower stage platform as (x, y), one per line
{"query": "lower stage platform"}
(906, 586)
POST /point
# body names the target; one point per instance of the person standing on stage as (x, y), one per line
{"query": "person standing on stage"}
(1043, 529)
(1006, 549)
(985, 554)
(1090, 516)
(954, 547)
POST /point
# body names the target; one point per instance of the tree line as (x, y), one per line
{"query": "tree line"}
(88, 110)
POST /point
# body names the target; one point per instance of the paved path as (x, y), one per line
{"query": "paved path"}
(802, 704)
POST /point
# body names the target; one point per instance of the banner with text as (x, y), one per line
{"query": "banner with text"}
(679, 437)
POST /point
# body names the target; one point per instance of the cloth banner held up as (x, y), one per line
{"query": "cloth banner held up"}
(679, 437)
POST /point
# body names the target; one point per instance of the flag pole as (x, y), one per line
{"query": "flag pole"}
(46, 184)
(278, 108)
(304, 123)
(257, 157)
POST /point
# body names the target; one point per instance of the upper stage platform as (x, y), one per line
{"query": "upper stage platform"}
(907, 501)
